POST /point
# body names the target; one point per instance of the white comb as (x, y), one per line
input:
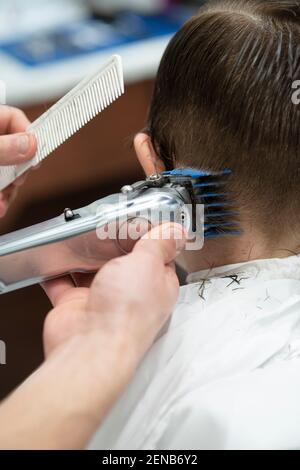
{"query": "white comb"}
(91, 96)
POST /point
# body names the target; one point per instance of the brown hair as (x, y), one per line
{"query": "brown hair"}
(223, 99)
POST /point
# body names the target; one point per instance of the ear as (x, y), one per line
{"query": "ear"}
(146, 155)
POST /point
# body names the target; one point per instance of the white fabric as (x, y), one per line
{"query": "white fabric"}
(225, 374)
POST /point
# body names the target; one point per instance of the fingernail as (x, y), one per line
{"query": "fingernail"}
(23, 144)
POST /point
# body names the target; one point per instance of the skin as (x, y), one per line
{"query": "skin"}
(252, 245)
(96, 334)
(94, 339)
(15, 147)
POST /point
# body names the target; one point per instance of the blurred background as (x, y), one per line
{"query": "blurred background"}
(46, 47)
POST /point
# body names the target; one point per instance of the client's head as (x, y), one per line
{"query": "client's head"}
(223, 99)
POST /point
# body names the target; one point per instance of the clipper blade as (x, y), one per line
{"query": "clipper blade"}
(211, 190)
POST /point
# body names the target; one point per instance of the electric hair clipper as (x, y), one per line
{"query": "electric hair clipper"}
(83, 240)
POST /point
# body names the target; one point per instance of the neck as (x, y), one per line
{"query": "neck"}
(251, 245)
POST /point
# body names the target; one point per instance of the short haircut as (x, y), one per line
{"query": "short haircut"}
(223, 99)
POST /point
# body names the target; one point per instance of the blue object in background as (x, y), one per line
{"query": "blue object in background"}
(93, 35)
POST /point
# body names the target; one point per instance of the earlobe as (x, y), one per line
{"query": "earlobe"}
(147, 155)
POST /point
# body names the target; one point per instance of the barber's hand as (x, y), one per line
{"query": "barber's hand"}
(128, 302)
(15, 147)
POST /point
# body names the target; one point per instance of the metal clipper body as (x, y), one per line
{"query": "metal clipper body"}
(84, 239)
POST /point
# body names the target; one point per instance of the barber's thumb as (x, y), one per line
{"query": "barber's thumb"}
(166, 241)
(17, 148)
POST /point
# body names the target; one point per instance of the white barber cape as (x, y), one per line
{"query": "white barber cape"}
(225, 373)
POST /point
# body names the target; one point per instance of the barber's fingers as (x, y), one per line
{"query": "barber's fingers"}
(16, 148)
(165, 241)
(12, 120)
(57, 288)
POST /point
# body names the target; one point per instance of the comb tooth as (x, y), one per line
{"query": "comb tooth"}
(75, 115)
(72, 119)
(114, 85)
(107, 89)
(46, 142)
(103, 97)
(222, 214)
(93, 100)
(86, 99)
(108, 86)
(218, 204)
(103, 87)
(91, 103)
(66, 123)
(54, 133)
(57, 126)
(47, 134)
(56, 140)
(219, 224)
(120, 81)
(116, 81)
(50, 142)
(109, 82)
(99, 96)
(209, 184)
(210, 195)
(82, 110)
(60, 127)
(96, 101)
(215, 233)
(69, 114)
(71, 124)
(111, 88)
(62, 124)
(77, 112)
(39, 133)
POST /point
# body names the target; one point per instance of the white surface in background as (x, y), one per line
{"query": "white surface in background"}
(146, 6)
(28, 85)
(2, 92)
(19, 17)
